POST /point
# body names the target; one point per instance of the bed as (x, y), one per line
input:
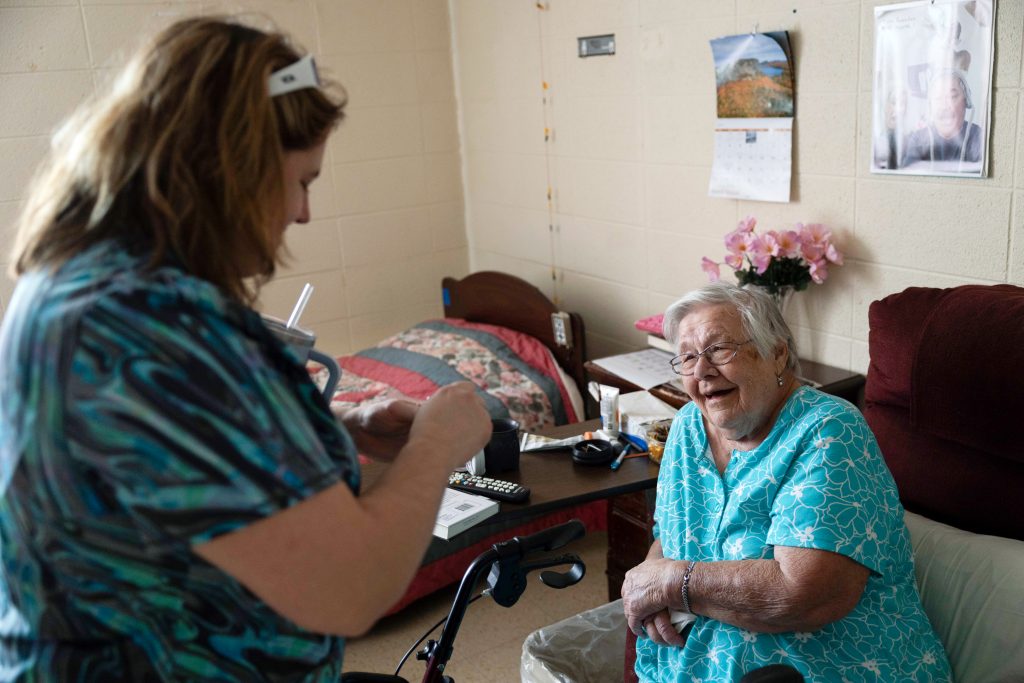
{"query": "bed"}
(498, 333)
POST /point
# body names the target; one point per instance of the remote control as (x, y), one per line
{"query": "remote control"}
(507, 491)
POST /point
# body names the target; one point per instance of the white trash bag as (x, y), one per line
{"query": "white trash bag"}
(588, 647)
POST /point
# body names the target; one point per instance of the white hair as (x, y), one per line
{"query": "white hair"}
(759, 314)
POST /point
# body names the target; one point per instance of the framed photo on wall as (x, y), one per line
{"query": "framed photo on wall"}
(931, 110)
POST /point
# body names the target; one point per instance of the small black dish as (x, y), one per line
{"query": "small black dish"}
(593, 452)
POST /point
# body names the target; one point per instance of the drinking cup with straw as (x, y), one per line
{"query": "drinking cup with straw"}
(301, 341)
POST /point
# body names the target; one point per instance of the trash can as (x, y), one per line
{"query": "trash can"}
(588, 647)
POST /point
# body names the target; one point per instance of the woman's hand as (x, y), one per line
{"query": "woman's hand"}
(658, 627)
(380, 429)
(454, 422)
(647, 596)
(333, 578)
(801, 589)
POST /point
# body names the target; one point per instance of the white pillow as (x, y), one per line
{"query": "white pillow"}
(570, 387)
(972, 587)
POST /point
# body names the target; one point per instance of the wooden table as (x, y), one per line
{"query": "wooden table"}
(630, 501)
(555, 482)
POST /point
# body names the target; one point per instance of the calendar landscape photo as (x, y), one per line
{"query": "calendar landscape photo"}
(753, 75)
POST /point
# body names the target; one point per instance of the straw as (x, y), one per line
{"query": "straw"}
(300, 305)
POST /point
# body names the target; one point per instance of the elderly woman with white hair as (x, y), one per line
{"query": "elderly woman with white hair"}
(779, 535)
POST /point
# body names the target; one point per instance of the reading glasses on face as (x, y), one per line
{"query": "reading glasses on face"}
(717, 354)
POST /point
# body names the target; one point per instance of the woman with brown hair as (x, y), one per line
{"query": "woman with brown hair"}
(177, 501)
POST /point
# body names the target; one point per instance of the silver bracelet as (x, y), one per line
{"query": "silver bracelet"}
(686, 585)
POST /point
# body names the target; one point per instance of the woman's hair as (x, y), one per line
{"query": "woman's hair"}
(759, 314)
(182, 158)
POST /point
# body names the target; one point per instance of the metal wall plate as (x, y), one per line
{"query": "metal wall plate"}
(592, 46)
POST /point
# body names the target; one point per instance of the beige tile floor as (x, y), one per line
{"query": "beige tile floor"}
(489, 643)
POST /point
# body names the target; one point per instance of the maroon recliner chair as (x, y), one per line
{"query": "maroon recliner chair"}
(944, 394)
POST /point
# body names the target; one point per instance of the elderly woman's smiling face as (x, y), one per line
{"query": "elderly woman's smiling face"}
(737, 399)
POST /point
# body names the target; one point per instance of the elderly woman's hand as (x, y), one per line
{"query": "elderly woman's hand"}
(647, 595)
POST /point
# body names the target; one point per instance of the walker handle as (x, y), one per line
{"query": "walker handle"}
(547, 539)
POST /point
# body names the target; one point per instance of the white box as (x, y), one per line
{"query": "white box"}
(460, 510)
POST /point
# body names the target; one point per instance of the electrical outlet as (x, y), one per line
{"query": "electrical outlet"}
(562, 329)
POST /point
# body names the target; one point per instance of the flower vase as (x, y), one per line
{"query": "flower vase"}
(783, 297)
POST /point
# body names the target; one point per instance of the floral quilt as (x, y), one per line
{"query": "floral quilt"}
(514, 373)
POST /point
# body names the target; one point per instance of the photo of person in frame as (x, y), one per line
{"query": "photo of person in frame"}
(932, 88)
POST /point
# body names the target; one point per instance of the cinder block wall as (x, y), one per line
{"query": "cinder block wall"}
(387, 210)
(626, 162)
(630, 150)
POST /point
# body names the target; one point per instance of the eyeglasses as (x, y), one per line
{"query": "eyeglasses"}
(717, 354)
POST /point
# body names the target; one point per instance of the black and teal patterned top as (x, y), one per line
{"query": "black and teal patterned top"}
(143, 413)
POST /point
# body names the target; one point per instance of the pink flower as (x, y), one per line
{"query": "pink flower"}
(735, 241)
(789, 243)
(739, 243)
(761, 263)
(834, 255)
(819, 270)
(811, 251)
(806, 249)
(815, 233)
(746, 225)
(760, 253)
(710, 268)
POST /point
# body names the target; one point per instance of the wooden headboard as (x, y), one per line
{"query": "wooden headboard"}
(496, 298)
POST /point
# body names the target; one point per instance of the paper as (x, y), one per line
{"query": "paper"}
(529, 443)
(752, 161)
(646, 369)
(639, 408)
(680, 619)
(656, 341)
(754, 128)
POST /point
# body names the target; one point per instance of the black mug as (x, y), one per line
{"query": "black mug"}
(501, 454)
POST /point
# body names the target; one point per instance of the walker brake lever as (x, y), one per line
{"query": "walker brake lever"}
(559, 579)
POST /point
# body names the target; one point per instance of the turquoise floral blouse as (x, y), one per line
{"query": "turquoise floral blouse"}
(817, 481)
